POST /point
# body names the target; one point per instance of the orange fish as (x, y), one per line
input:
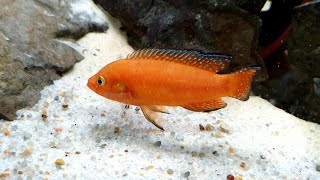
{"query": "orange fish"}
(154, 78)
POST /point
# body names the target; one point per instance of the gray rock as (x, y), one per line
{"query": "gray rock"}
(304, 51)
(304, 40)
(298, 91)
(207, 25)
(31, 57)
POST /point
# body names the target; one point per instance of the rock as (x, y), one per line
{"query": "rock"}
(209, 26)
(298, 90)
(31, 56)
(304, 40)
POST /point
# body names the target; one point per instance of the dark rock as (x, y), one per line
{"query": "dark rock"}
(207, 25)
(157, 144)
(304, 53)
(31, 56)
(297, 91)
(304, 41)
(186, 174)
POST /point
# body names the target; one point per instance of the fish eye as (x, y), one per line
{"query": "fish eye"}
(101, 81)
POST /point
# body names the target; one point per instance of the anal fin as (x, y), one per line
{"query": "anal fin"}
(207, 106)
(152, 116)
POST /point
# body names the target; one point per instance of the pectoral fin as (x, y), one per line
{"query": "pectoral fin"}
(152, 116)
(207, 106)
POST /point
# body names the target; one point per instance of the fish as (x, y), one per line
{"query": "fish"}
(155, 78)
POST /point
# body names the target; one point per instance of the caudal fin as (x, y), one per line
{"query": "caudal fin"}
(242, 82)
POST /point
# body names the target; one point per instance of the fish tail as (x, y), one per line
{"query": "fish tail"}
(242, 82)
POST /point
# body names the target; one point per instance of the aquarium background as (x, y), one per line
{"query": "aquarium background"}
(53, 127)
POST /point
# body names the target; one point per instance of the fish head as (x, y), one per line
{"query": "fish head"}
(109, 84)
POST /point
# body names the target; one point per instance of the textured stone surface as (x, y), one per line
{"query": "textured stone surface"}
(299, 90)
(30, 55)
(211, 26)
(304, 40)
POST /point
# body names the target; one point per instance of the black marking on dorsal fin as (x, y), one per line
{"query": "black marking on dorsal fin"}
(208, 61)
(237, 69)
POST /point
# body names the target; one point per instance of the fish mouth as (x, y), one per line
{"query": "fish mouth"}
(91, 84)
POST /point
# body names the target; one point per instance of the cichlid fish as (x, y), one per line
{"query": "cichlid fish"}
(154, 78)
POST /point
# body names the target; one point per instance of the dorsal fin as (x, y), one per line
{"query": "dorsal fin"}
(212, 62)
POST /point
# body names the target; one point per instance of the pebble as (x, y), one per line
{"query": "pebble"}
(219, 134)
(187, 174)
(58, 129)
(202, 154)
(194, 153)
(45, 104)
(62, 94)
(137, 108)
(116, 130)
(103, 145)
(149, 167)
(231, 150)
(170, 171)
(318, 167)
(230, 177)
(262, 156)
(56, 98)
(225, 127)
(65, 106)
(27, 136)
(59, 162)
(5, 132)
(44, 114)
(3, 175)
(27, 152)
(243, 165)
(158, 143)
(208, 127)
(201, 127)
